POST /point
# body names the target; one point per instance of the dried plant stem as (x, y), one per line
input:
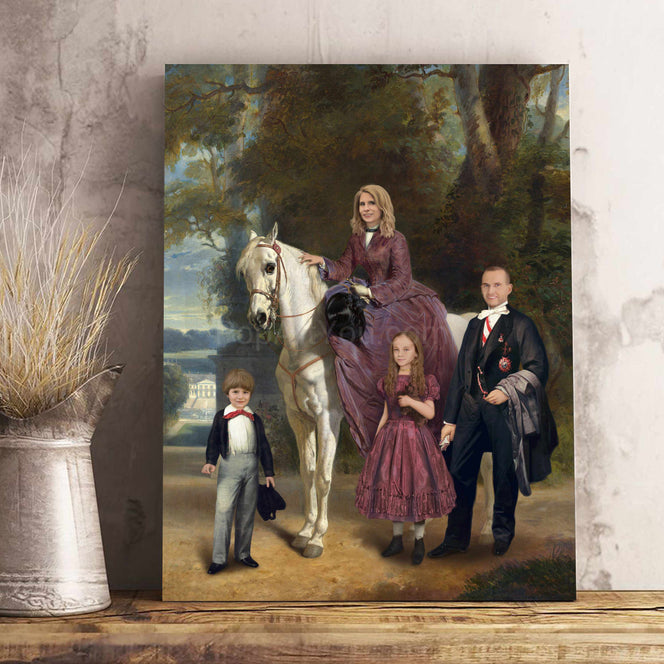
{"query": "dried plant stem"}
(56, 295)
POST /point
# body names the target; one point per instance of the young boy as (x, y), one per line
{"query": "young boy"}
(237, 439)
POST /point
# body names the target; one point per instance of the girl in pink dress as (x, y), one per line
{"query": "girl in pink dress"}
(405, 477)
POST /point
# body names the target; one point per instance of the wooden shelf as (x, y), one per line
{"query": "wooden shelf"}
(599, 628)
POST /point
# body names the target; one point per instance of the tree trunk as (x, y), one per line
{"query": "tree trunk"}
(546, 135)
(505, 92)
(482, 160)
(536, 189)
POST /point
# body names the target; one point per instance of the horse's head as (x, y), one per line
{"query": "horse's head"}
(260, 266)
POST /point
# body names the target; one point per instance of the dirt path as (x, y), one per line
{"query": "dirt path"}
(351, 568)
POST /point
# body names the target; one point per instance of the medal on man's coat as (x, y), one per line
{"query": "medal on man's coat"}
(505, 364)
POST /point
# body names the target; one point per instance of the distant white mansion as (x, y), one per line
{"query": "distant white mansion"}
(202, 389)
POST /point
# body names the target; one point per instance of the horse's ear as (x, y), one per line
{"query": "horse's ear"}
(273, 234)
(252, 235)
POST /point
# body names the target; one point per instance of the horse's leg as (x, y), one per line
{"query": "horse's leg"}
(486, 469)
(305, 435)
(327, 425)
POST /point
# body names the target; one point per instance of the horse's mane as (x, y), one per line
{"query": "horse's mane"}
(316, 285)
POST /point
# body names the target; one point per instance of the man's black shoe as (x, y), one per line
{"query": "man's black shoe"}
(443, 550)
(500, 548)
(249, 561)
(215, 567)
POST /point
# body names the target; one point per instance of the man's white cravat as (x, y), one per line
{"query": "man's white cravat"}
(500, 309)
(490, 317)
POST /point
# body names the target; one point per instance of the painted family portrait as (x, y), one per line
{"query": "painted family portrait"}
(368, 377)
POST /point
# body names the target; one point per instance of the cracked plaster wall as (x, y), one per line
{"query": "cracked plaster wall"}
(83, 82)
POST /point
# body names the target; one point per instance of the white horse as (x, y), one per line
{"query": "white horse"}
(281, 287)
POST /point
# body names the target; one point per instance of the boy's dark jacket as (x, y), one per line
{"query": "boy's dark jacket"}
(218, 443)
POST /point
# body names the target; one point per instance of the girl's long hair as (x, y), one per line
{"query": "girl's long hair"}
(416, 384)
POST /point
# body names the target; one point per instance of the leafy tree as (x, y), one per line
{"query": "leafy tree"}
(205, 129)
(176, 392)
(294, 143)
(326, 131)
(493, 105)
(476, 160)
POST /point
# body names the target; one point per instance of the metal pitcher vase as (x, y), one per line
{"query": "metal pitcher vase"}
(51, 555)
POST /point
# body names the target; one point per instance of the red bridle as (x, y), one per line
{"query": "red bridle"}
(273, 297)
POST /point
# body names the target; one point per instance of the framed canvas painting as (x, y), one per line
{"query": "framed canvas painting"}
(331, 235)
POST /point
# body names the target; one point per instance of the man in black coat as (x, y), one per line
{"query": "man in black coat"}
(498, 342)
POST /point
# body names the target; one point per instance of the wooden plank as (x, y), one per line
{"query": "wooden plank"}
(599, 628)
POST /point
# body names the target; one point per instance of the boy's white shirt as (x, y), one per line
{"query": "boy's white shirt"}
(241, 432)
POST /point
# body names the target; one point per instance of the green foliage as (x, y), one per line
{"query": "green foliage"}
(465, 223)
(176, 392)
(541, 579)
(326, 131)
(561, 401)
(292, 144)
(198, 210)
(206, 122)
(527, 229)
(199, 114)
(222, 292)
(533, 217)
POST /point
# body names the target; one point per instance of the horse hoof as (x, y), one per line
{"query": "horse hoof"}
(300, 542)
(312, 551)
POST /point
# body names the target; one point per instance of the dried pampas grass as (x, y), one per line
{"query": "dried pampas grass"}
(56, 293)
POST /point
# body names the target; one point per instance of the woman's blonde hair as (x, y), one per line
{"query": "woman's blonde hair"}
(384, 202)
(417, 383)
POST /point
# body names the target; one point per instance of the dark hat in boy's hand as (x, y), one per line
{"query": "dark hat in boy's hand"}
(269, 501)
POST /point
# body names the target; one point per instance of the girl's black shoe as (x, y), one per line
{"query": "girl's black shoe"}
(394, 547)
(418, 551)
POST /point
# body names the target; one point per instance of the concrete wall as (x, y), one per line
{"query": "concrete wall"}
(83, 81)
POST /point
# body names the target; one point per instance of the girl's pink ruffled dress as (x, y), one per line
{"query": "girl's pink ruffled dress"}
(405, 477)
